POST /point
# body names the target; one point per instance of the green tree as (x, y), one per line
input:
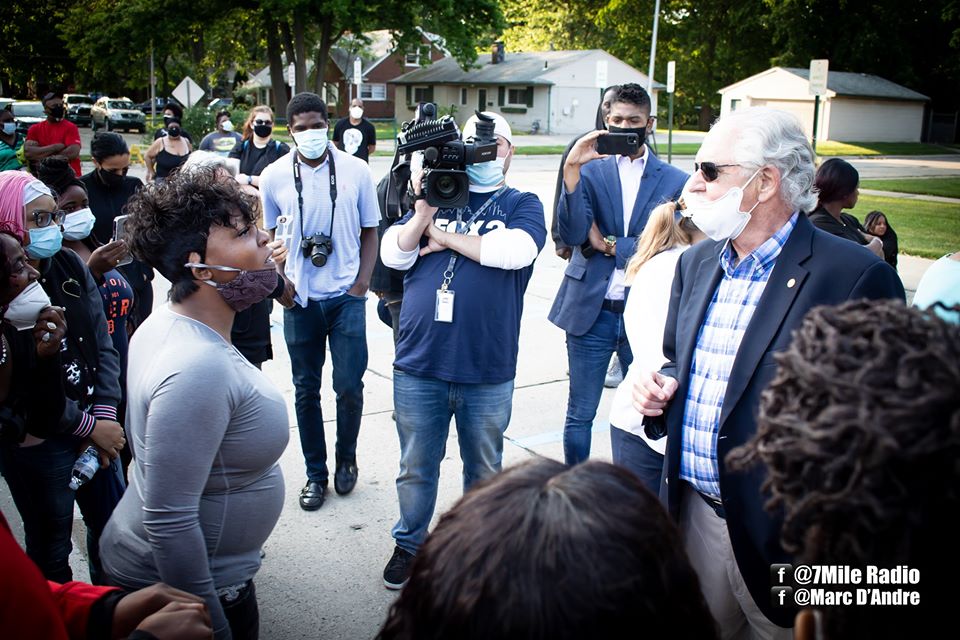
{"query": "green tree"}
(32, 57)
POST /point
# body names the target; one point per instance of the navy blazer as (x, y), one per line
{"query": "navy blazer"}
(814, 268)
(598, 197)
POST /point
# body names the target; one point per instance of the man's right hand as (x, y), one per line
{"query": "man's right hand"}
(108, 436)
(564, 252)
(179, 621)
(584, 151)
(652, 392)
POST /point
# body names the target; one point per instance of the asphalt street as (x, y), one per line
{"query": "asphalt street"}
(321, 577)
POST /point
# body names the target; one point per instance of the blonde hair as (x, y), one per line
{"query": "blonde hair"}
(248, 125)
(662, 232)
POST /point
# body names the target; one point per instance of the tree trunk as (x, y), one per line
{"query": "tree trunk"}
(278, 84)
(287, 40)
(323, 54)
(300, 49)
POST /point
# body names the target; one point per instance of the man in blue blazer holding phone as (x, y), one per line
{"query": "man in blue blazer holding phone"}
(735, 304)
(617, 192)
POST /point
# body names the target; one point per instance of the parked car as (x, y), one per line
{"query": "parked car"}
(117, 113)
(78, 108)
(6, 102)
(159, 102)
(27, 113)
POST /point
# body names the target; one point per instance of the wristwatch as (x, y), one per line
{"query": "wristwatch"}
(611, 242)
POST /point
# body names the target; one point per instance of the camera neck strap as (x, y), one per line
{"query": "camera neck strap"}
(298, 183)
(464, 228)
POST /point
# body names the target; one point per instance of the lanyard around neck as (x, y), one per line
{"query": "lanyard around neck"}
(464, 229)
(298, 183)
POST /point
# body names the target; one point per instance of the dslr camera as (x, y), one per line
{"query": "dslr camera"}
(317, 248)
(445, 157)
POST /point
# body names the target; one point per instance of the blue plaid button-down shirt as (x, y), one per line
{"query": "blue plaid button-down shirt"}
(724, 324)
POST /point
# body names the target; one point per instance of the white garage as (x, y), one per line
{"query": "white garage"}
(857, 107)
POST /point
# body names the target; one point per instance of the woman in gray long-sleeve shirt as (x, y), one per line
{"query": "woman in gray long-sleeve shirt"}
(206, 427)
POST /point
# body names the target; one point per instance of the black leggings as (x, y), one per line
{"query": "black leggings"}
(243, 614)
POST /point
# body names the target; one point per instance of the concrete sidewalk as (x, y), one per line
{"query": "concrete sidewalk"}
(321, 577)
(910, 196)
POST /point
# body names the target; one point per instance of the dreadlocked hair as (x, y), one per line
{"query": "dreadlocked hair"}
(860, 435)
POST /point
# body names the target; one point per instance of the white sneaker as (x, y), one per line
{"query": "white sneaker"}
(614, 374)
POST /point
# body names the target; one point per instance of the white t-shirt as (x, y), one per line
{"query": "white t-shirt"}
(644, 318)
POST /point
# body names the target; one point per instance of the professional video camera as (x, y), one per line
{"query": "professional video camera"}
(444, 156)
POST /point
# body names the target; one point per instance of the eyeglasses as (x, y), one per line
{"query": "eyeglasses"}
(711, 170)
(263, 122)
(44, 218)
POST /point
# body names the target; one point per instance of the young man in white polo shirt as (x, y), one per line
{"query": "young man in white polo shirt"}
(329, 203)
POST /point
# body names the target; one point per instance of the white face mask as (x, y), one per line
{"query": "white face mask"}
(311, 143)
(356, 112)
(719, 219)
(227, 126)
(79, 224)
(24, 310)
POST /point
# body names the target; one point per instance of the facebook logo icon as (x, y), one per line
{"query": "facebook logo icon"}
(781, 574)
(781, 596)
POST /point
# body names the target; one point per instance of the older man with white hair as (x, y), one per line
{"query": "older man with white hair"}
(456, 352)
(735, 303)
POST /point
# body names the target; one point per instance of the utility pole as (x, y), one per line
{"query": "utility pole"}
(653, 48)
(153, 88)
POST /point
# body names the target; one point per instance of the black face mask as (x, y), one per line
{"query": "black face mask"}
(641, 132)
(57, 112)
(174, 132)
(110, 179)
(262, 130)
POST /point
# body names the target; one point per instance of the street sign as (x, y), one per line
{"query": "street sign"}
(357, 71)
(671, 76)
(818, 77)
(188, 92)
(601, 80)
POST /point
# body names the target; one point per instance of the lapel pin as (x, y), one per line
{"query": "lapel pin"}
(791, 282)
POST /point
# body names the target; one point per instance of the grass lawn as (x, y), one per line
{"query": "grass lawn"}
(947, 187)
(883, 149)
(926, 229)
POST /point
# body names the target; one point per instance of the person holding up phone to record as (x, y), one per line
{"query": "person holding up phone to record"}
(610, 178)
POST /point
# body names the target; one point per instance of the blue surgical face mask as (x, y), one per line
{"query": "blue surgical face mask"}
(311, 143)
(485, 175)
(79, 224)
(44, 242)
(9, 128)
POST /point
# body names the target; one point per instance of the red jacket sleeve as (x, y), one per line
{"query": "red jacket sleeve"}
(30, 607)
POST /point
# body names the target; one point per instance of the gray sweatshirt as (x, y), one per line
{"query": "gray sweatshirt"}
(207, 429)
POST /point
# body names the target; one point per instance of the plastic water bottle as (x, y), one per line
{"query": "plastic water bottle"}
(84, 468)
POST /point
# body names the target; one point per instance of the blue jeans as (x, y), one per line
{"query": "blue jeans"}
(343, 321)
(632, 452)
(588, 357)
(38, 477)
(424, 407)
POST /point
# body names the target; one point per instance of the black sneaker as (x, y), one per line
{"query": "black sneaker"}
(397, 571)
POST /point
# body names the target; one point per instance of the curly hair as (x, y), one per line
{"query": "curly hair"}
(170, 220)
(56, 173)
(860, 435)
(542, 551)
(305, 102)
(631, 93)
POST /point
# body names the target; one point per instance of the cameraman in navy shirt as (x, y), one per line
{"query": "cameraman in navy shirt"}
(457, 345)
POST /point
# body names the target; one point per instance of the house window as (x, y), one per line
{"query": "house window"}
(520, 97)
(734, 104)
(419, 94)
(420, 55)
(373, 91)
(463, 96)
